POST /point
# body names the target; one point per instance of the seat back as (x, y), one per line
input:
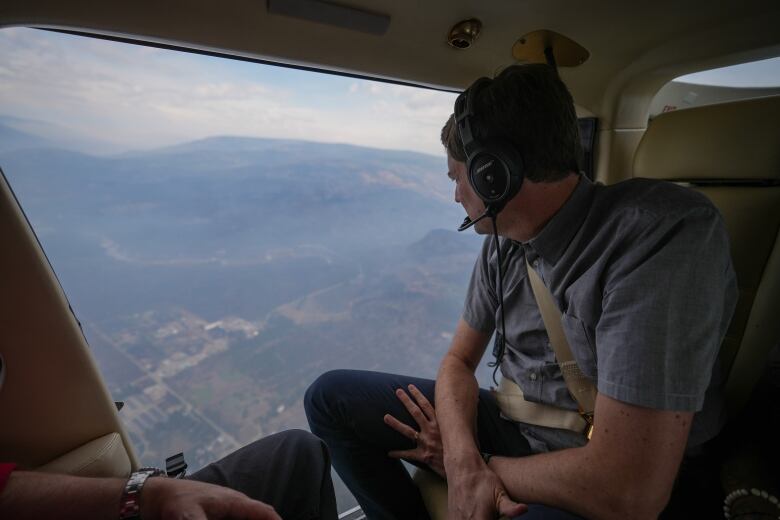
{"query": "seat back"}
(731, 153)
(55, 410)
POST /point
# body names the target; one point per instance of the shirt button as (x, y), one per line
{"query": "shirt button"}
(536, 263)
(533, 376)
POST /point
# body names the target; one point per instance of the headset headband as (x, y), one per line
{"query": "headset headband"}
(464, 111)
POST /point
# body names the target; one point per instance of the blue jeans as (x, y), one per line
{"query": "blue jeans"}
(345, 408)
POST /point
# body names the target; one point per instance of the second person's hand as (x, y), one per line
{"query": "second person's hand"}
(179, 499)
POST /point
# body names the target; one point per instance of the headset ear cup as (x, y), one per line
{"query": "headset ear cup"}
(488, 176)
(515, 165)
(496, 175)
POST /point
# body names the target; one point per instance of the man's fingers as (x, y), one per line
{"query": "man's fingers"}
(194, 513)
(266, 512)
(411, 406)
(246, 508)
(403, 429)
(508, 507)
(423, 402)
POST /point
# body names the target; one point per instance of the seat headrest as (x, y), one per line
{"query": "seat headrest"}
(730, 141)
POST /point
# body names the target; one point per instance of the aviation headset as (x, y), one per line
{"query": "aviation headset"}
(496, 172)
(495, 166)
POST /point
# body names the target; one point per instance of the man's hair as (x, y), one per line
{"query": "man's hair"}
(529, 106)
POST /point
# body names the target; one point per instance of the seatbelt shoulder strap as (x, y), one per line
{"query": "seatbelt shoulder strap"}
(581, 387)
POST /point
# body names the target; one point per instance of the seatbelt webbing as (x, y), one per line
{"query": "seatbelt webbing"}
(581, 388)
(513, 405)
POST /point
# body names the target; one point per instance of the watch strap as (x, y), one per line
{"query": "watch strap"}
(130, 503)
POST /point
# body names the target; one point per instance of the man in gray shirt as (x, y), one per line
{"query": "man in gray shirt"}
(642, 275)
(620, 262)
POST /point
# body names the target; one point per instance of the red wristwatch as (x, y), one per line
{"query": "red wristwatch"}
(130, 503)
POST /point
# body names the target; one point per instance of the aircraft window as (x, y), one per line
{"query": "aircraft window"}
(743, 81)
(588, 132)
(227, 231)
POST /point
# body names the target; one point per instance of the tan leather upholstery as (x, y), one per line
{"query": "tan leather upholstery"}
(752, 216)
(719, 149)
(730, 141)
(434, 493)
(433, 489)
(53, 399)
(103, 457)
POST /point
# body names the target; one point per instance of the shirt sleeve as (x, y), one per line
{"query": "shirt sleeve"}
(5, 473)
(479, 309)
(665, 309)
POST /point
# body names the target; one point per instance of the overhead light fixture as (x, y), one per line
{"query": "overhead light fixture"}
(544, 46)
(332, 14)
(464, 34)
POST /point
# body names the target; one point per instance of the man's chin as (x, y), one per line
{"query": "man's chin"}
(484, 227)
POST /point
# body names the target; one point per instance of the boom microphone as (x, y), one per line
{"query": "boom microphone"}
(467, 222)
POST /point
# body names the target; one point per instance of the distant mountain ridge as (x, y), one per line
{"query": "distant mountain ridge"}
(237, 143)
(42, 134)
(443, 243)
(236, 154)
(226, 202)
(19, 133)
(13, 139)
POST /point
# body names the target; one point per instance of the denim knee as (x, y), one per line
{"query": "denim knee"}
(321, 393)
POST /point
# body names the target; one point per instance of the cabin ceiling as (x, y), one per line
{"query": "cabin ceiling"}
(634, 46)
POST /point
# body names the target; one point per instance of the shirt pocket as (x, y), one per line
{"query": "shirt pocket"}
(582, 343)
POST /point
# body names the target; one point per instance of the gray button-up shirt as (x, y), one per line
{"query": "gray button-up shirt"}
(642, 274)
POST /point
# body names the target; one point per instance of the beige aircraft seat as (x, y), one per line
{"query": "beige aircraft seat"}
(731, 153)
(55, 411)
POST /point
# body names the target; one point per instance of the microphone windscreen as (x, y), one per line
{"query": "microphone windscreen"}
(467, 223)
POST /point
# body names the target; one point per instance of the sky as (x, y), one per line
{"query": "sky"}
(758, 74)
(137, 97)
(130, 97)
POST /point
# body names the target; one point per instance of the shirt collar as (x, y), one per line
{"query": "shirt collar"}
(556, 235)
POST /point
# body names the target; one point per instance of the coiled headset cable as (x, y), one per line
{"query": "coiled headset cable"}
(500, 346)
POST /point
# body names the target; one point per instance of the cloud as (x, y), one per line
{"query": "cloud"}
(141, 97)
